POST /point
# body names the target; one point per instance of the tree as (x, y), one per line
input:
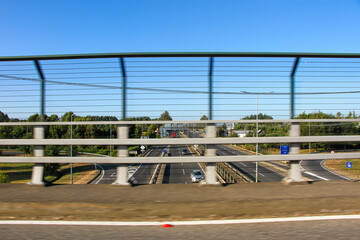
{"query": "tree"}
(204, 117)
(327, 129)
(165, 116)
(4, 117)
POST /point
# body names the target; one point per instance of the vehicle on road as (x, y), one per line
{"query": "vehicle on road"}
(173, 134)
(196, 176)
(183, 151)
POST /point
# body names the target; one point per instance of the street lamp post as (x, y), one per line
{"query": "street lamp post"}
(257, 127)
(71, 149)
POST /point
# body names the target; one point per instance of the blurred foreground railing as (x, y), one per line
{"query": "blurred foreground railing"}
(123, 141)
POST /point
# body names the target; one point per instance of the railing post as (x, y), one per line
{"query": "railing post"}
(210, 152)
(122, 169)
(294, 174)
(37, 177)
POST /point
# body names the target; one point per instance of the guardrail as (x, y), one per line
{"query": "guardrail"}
(122, 141)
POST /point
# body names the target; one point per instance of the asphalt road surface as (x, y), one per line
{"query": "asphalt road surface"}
(142, 174)
(315, 168)
(249, 168)
(311, 169)
(319, 230)
(179, 172)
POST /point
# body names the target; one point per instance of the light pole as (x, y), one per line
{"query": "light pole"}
(71, 149)
(110, 138)
(257, 127)
(309, 142)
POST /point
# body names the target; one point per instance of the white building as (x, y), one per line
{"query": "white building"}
(241, 133)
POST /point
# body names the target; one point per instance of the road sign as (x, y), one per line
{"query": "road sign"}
(142, 147)
(284, 149)
(134, 152)
(348, 164)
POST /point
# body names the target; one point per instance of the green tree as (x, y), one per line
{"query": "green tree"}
(165, 116)
(204, 117)
(4, 178)
(328, 129)
(4, 117)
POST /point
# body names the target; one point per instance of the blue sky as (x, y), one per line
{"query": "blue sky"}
(75, 27)
(64, 27)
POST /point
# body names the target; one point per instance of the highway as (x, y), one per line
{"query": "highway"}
(142, 174)
(180, 173)
(316, 167)
(311, 169)
(249, 168)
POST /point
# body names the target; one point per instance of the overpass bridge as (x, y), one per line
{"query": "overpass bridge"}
(223, 87)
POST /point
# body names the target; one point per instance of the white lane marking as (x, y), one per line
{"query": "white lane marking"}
(131, 176)
(313, 174)
(184, 171)
(183, 223)
(321, 163)
(243, 164)
(261, 174)
(102, 174)
(154, 174)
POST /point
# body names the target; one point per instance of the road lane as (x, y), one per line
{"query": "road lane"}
(142, 175)
(316, 167)
(249, 168)
(179, 172)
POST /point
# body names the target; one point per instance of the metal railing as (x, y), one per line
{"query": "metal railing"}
(122, 141)
(224, 85)
(131, 86)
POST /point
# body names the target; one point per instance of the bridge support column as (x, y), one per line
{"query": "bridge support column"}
(294, 174)
(37, 177)
(210, 173)
(122, 169)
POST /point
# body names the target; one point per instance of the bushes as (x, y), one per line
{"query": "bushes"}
(4, 178)
(52, 168)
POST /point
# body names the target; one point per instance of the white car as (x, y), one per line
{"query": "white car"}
(196, 176)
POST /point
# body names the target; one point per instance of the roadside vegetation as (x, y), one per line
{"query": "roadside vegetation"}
(54, 172)
(307, 129)
(60, 173)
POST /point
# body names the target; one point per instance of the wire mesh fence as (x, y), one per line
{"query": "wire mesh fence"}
(187, 87)
(183, 87)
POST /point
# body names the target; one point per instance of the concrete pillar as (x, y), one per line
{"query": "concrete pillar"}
(210, 152)
(294, 174)
(37, 177)
(122, 169)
